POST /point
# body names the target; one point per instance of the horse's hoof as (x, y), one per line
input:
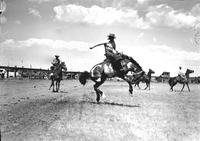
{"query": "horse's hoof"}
(103, 96)
(98, 97)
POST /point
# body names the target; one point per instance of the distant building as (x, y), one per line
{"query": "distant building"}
(32, 73)
(164, 77)
(2, 73)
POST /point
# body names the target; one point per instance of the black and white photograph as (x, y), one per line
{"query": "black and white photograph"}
(99, 70)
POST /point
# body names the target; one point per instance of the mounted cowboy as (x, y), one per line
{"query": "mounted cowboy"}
(111, 53)
(55, 65)
(115, 65)
(181, 74)
(57, 76)
(56, 72)
(56, 61)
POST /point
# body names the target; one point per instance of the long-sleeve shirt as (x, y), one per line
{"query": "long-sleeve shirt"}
(110, 47)
(55, 61)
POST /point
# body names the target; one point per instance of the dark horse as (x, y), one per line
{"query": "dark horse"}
(57, 76)
(174, 80)
(104, 70)
(146, 78)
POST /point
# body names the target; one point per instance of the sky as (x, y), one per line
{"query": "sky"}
(158, 34)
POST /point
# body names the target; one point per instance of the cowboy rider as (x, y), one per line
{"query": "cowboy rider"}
(110, 52)
(56, 61)
(181, 74)
(55, 64)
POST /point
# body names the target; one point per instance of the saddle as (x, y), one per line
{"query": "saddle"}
(118, 61)
(181, 78)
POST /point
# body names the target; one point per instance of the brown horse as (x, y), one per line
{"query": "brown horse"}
(57, 76)
(100, 72)
(174, 80)
(146, 78)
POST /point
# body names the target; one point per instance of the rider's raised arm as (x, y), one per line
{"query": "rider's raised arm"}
(97, 45)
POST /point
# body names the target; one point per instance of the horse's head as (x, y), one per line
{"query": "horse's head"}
(151, 71)
(188, 71)
(63, 66)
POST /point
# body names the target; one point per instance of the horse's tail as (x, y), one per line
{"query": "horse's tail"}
(83, 77)
(171, 81)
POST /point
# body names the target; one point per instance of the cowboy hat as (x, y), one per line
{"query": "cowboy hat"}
(111, 35)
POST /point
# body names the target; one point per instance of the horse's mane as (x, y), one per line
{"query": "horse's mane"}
(132, 61)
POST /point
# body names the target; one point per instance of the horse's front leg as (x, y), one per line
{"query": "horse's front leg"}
(58, 88)
(146, 86)
(53, 87)
(149, 85)
(131, 88)
(129, 83)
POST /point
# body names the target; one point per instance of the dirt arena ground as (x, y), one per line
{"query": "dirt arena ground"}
(29, 112)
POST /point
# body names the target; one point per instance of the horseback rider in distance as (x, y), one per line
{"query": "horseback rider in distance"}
(111, 54)
(181, 75)
(55, 64)
(56, 61)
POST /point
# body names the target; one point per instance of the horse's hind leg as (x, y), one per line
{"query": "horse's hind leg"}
(147, 85)
(98, 92)
(183, 87)
(129, 83)
(172, 85)
(188, 87)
